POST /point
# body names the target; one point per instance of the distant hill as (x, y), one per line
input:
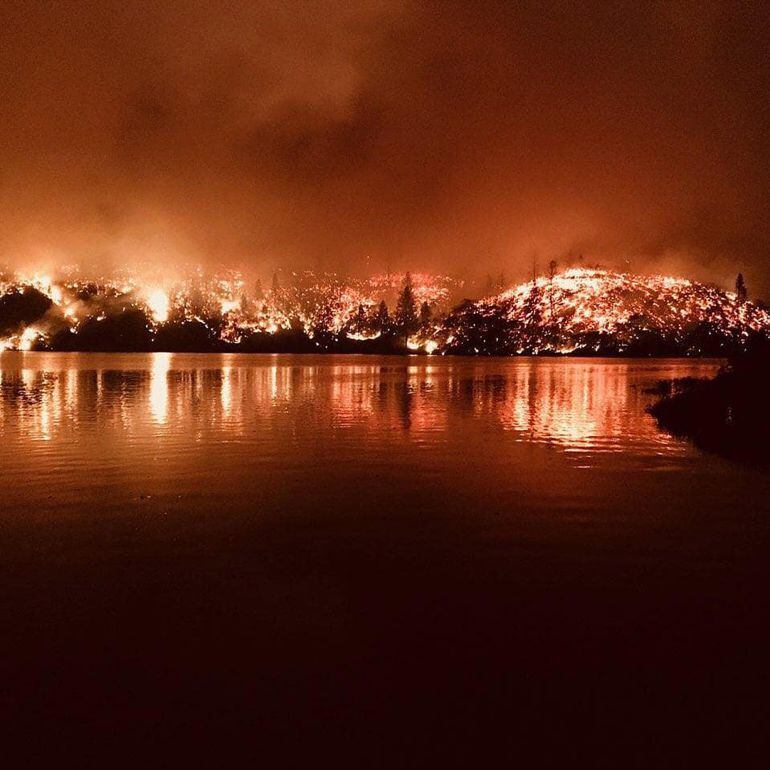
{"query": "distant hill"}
(601, 312)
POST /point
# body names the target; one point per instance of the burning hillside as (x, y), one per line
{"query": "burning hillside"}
(580, 311)
(597, 312)
(219, 311)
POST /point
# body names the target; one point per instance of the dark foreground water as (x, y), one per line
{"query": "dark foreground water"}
(399, 562)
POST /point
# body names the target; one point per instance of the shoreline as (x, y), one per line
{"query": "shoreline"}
(726, 415)
(382, 351)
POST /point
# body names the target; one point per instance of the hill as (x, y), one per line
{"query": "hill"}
(601, 312)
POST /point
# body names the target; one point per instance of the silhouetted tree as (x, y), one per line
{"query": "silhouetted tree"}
(322, 321)
(425, 315)
(360, 322)
(382, 319)
(740, 288)
(475, 332)
(552, 265)
(407, 321)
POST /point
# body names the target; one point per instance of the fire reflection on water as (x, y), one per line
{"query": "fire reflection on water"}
(226, 391)
(579, 408)
(576, 405)
(159, 386)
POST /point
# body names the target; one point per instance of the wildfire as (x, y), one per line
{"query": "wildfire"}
(25, 340)
(577, 311)
(159, 305)
(601, 310)
(433, 289)
(324, 307)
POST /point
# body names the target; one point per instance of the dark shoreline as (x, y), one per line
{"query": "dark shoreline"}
(728, 415)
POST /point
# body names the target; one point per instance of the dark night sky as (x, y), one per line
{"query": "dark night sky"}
(460, 136)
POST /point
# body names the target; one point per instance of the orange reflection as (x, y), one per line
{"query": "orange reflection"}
(159, 385)
(579, 406)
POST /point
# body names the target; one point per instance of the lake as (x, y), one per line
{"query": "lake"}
(422, 560)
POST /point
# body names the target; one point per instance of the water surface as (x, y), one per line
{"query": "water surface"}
(409, 547)
(83, 425)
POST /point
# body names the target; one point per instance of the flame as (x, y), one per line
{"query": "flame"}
(159, 305)
(24, 341)
(361, 336)
(28, 338)
(413, 343)
(229, 305)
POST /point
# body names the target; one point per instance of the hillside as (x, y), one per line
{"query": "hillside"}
(600, 312)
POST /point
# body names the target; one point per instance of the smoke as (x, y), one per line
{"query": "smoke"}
(452, 136)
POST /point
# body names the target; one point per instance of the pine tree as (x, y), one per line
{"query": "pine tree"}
(425, 315)
(360, 320)
(382, 318)
(740, 288)
(406, 310)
